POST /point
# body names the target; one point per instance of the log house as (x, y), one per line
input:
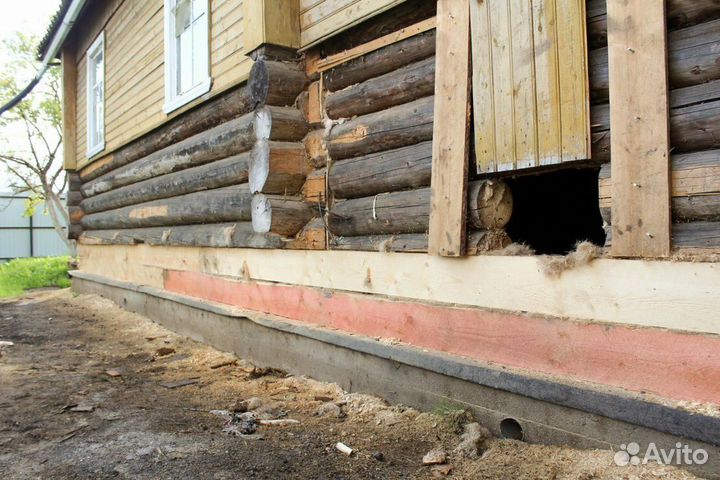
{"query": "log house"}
(315, 163)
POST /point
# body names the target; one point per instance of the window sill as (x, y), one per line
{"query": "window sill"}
(177, 102)
(92, 151)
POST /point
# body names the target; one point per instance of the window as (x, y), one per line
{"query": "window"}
(187, 73)
(96, 96)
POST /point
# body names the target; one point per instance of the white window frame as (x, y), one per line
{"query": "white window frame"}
(97, 46)
(173, 100)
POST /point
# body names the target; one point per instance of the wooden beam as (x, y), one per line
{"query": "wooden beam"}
(639, 118)
(450, 136)
(684, 295)
(69, 109)
(275, 22)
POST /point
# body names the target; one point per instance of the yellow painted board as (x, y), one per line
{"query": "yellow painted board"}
(482, 87)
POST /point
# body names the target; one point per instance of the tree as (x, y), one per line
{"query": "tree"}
(31, 132)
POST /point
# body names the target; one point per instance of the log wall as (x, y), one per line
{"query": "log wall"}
(377, 154)
(227, 174)
(694, 79)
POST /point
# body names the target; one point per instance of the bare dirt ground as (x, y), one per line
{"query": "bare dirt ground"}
(85, 393)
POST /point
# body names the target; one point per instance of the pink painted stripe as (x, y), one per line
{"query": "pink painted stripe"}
(670, 364)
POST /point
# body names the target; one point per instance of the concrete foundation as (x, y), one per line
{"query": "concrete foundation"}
(547, 410)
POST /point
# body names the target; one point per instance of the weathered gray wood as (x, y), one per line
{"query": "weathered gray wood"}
(220, 173)
(221, 109)
(696, 235)
(273, 82)
(680, 14)
(408, 211)
(696, 127)
(479, 242)
(705, 92)
(410, 242)
(231, 138)
(693, 128)
(215, 235)
(278, 214)
(74, 198)
(693, 58)
(381, 61)
(395, 127)
(388, 171)
(278, 167)
(403, 85)
(695, 187)
(385, 213)
(226, 204)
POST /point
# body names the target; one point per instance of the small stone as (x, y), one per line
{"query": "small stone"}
(252, 403)
(328, 409)
(164, 351)
(379, 456)
(435, 457)
(113, 373)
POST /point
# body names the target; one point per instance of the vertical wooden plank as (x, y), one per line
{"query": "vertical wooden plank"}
(450, 130)
(523, 74)
(503, 84)
(574, 95)
(547, 82)
(639, 122)
(482, 87)
(69, 107)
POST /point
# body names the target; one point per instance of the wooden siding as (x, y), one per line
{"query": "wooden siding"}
(134, 52)
(320, 19)
(530, 83)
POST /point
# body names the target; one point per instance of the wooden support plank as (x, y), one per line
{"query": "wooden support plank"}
(69, 107)
(450, 136)
(639, 118)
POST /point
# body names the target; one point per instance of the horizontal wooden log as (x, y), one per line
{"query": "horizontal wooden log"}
(381, 61)
(214, 235)
(228, 139)
(409, 211)
(693, 58)
(680, 14)
(217, 174)
(399, 169)
(395, 127)
(221, 109)
(74, 181)
(695, 187)
(693, 128)
(273, 82)
(278, 214)
(219, 205)
(408, 242)
(691, 235)
(478, 242)
(277, 167)
(403, 85)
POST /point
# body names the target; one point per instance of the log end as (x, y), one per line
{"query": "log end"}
(259, 82)
(490, 204)
(261, 209)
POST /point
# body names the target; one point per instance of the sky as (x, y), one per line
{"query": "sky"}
(30, 16)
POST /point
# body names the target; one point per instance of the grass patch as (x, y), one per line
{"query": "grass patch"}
(22, 274)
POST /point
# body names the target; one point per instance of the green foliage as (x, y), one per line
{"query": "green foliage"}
(22, 274)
